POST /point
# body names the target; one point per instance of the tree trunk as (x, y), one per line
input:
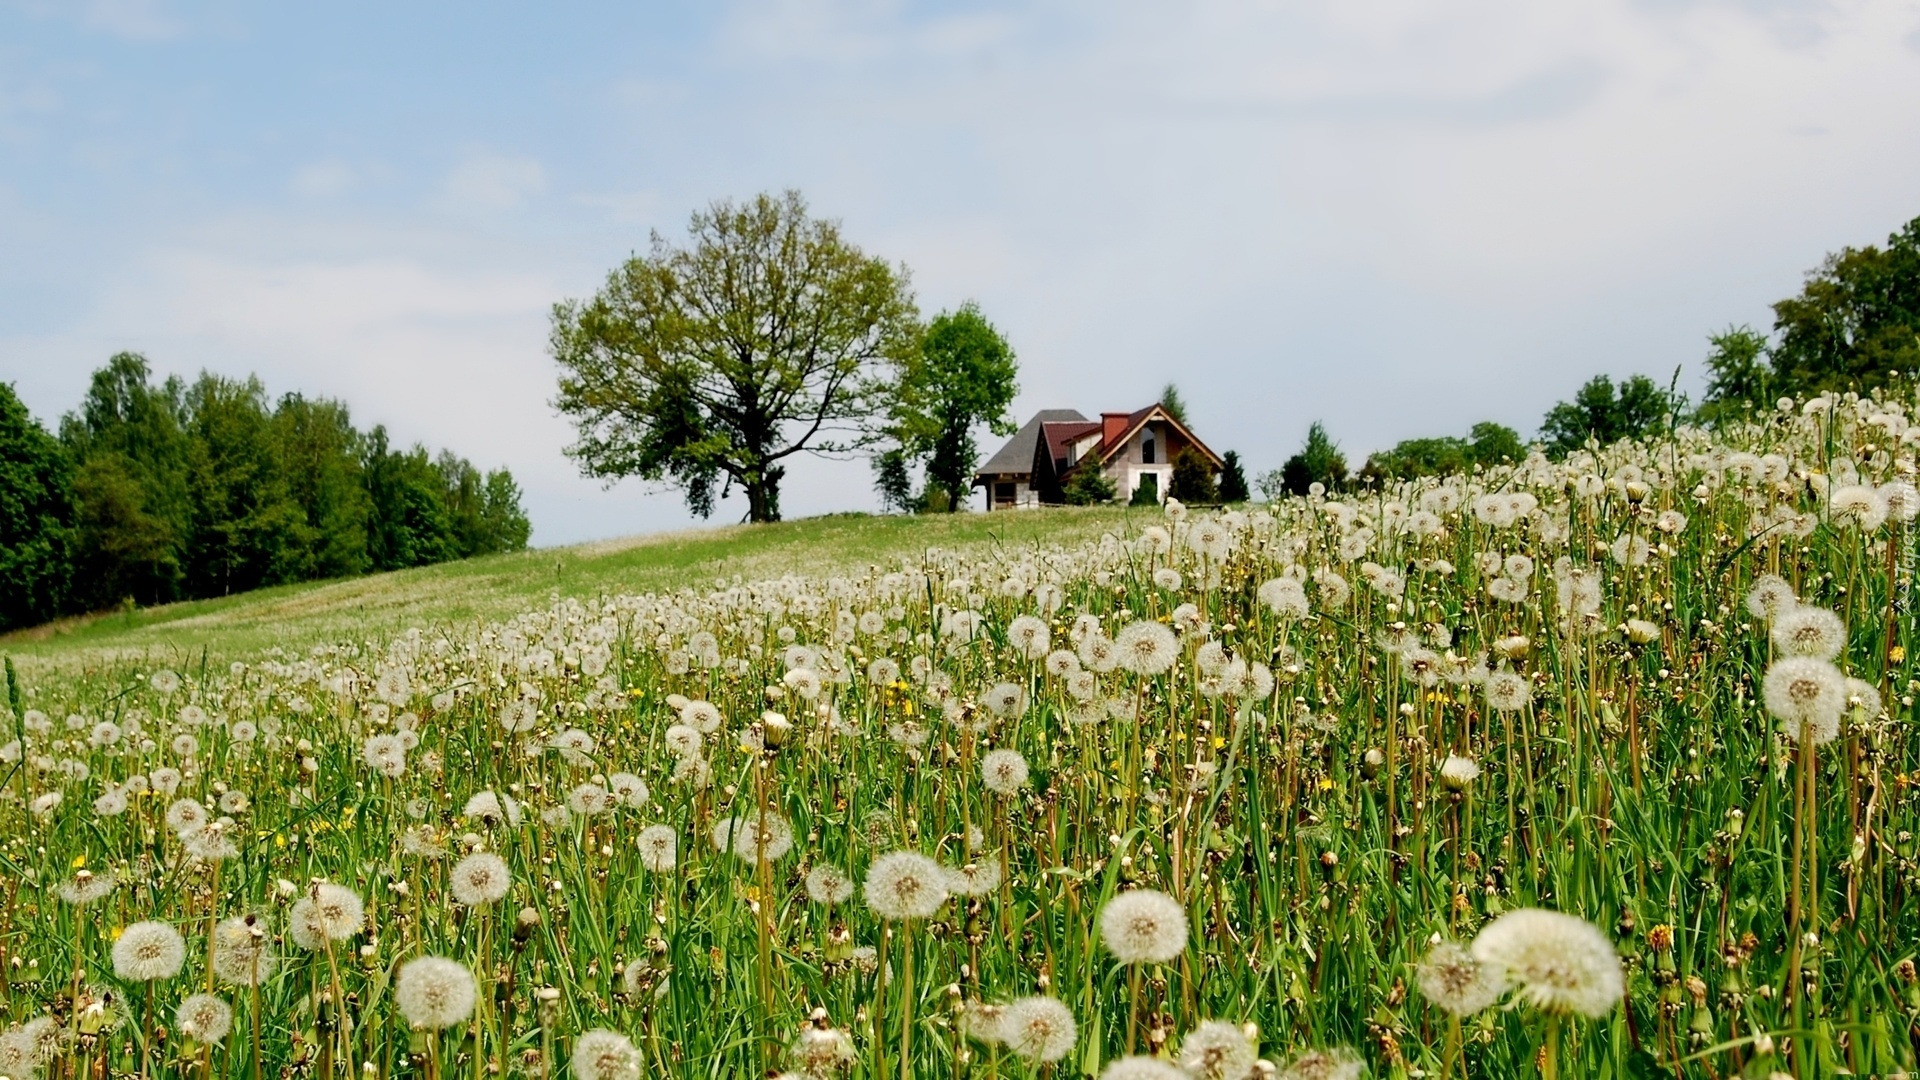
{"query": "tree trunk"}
(763, 497)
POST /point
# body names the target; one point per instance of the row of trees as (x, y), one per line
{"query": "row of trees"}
(151, 493)
(1854, 325)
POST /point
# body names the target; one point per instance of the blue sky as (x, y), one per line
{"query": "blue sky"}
(1396, 217)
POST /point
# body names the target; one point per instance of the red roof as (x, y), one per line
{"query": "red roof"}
(1060, 436)
(1117, 428)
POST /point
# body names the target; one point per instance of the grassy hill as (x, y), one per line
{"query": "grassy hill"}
(301, 615)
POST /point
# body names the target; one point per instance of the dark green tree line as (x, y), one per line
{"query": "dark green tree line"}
(153, 493)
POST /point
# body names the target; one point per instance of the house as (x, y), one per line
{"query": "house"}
(1133, 450)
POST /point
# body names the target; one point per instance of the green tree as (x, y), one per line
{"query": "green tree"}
(1495, 444)
(483, 511)
(507, 525)
(1192, 477)
(1319, 461)
(1087, 486)
(1412, 458)
(1173, 403)
(319, 454)
(1599, 411)
(1739, 376)
(1488, 444)
(893, 479)
(1856, 321)
(1233, 479)
(246, 530)
(963, 376)
(408, 524)
(133, 511)
(36, 517)
(766, 336)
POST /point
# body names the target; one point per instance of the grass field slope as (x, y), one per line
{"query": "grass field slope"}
(456, 596)
(1604, 767)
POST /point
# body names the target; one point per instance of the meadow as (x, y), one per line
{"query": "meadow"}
(1603, 767)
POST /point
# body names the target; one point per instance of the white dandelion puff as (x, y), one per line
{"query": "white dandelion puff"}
(904, 885)
(434, 992)
(1560, 963)
(148, 951)
(1144, 926)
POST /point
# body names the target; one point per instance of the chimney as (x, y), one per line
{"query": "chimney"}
(1112, 426)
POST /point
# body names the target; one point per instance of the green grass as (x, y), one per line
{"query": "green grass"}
(472, 590)
(1742, 896)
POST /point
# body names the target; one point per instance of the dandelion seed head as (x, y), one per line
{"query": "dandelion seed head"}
(604, 1055)
(148, 951)
(327, 912)
(1457, 983)
(242, 951)
(1040, 1029)
(904, 885)
(480, 879)
(1559, 963)
(1145, 648)
(828, 885)
(1807, 695)
(1805, 630)
(1003, 771)
(1216, 1050)
(659, 848)
(434, 992)
(1144, 926)
(204, 1018)
(1507, 691)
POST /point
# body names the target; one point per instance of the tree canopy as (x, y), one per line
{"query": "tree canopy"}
(1319, 461)
(1487, 444)
(177, 490)
(36, 517)
(962, 376)
(1606, 413)
(767, 334)
(1856, 321)
(1854, 324)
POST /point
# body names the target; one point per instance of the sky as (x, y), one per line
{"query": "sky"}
(1397, 218)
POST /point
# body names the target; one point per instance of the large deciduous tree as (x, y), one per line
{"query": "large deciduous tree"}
(1856, 322)
(36, 517)
(766, 335)
(1606, 414)
(962, 376)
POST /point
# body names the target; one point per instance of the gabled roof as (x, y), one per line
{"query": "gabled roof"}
(1016, 458)
(1136, 420)
(1060, 436)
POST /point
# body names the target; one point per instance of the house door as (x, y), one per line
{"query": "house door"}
(1147, 488)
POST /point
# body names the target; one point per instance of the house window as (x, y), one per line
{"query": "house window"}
(1146, 450)
(1003, 492)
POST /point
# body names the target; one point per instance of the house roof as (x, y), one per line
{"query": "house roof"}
(1138, 419)
(1016, 457)
(1061, 435)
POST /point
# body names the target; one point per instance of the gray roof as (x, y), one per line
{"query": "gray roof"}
(1017, 456)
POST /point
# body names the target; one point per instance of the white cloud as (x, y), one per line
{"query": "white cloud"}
(626, 207)
(324, 179)
(140, 19)
(490, 183)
